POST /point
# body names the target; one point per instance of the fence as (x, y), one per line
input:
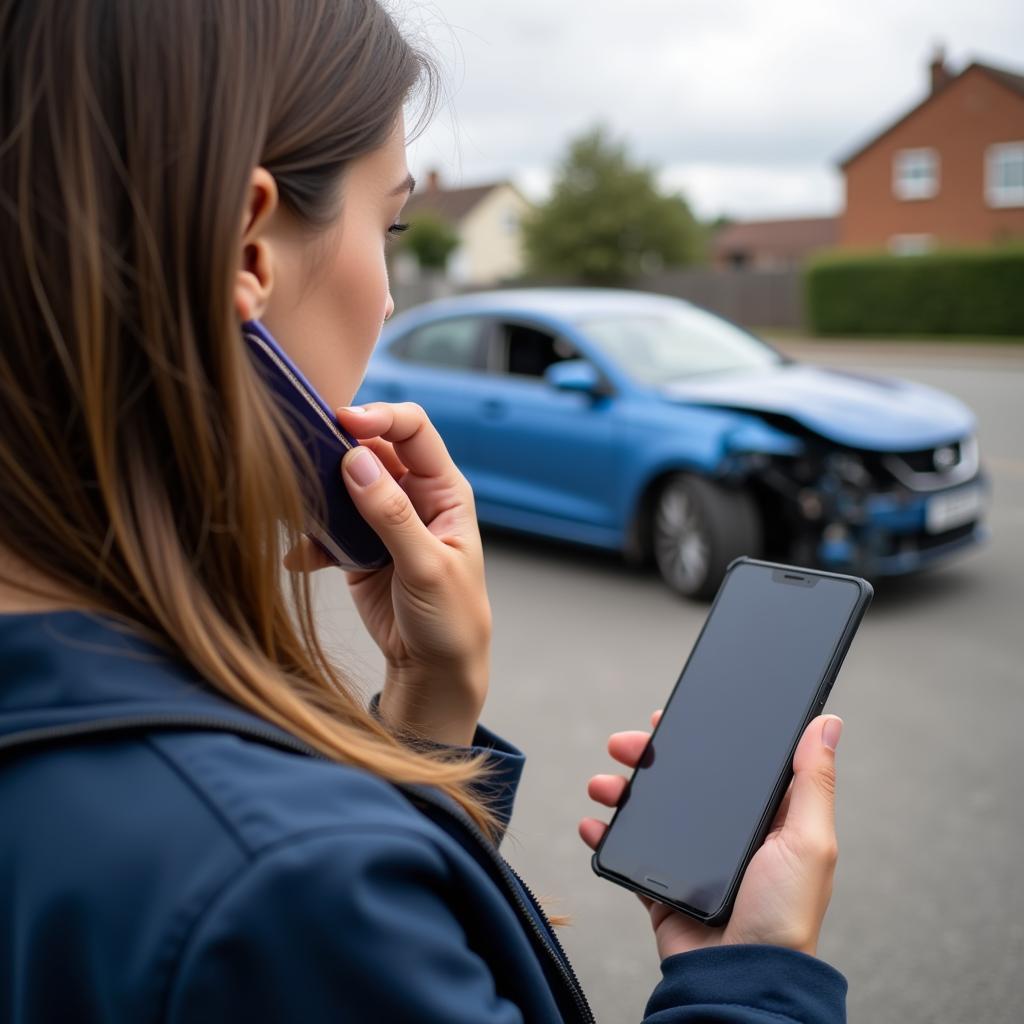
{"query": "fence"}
(754, 298)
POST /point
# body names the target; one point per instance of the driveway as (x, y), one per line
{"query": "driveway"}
(927, 920)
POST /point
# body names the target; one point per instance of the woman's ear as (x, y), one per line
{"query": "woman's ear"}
(255, 277)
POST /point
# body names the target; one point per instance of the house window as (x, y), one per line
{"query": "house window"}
(1004, 174)
(511, 220)
(915, 174)
(911, 245)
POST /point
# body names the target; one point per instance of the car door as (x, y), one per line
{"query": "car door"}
(540, 451)
(436, 365)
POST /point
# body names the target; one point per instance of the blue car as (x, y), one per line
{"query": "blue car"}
(644, 424)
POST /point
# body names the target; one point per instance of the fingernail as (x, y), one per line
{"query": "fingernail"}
(831, 732)
(352, 408)
(363, 467)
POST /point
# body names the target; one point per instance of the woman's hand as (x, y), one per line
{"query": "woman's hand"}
(428, 611)
(788, 883)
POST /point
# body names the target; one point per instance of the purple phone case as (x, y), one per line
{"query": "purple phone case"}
(344, 534)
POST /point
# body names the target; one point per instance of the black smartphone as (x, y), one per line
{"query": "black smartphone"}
(338, 529)
(717, 766)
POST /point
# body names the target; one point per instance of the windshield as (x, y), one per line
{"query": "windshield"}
(663, 346)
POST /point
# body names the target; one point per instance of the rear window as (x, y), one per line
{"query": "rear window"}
(449, 344)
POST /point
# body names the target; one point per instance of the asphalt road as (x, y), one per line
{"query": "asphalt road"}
(927, 918)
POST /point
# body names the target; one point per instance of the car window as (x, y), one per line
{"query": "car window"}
(528, 351)
(451, 344)
(663, 346)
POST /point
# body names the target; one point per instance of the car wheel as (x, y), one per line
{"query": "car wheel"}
(698, 528)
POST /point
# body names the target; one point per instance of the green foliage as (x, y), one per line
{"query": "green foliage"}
(606, 221)
(431, 240)
(966, 291)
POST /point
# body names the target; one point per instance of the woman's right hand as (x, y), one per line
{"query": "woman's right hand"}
(428, 610)
(787, 885)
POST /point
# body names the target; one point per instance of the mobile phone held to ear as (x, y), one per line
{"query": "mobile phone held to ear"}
(711, 779)
(343, 533)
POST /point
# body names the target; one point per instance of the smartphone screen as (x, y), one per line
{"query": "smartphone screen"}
(721, 753)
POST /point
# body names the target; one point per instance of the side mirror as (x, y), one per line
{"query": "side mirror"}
(574, 375)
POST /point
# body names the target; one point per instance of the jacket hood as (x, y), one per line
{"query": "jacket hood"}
(65, 667)
(861, 411)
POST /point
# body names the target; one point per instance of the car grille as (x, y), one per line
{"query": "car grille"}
(934, 460)
(932, 469)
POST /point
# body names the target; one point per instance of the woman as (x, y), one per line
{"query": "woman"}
(201, 819)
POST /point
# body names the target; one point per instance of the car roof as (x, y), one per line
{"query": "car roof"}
(563, 303)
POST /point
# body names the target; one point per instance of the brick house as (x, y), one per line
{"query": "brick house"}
(949, 172)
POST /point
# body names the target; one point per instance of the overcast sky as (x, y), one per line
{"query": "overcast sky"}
(745, 105)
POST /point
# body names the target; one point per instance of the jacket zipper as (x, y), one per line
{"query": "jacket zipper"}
(511, 876)
(281, 739)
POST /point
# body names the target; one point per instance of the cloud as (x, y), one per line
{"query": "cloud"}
(746, 105)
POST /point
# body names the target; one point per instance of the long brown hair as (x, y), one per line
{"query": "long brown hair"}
(143, 467)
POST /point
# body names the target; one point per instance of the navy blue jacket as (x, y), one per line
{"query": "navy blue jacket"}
(167, 857)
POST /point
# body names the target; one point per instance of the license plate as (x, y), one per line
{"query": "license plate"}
(947, 511)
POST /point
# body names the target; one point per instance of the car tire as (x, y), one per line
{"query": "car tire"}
(698, 527)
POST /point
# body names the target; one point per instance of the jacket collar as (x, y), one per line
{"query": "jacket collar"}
(64, 667)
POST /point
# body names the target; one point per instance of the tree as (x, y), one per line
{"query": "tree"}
(431, 240)
(606, 221)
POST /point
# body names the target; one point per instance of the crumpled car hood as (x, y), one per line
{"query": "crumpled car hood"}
(857, 410)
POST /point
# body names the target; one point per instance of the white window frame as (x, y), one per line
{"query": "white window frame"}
(911, 244)
(910, 188)
(997, 194)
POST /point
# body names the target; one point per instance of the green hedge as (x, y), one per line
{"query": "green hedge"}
(963, 291)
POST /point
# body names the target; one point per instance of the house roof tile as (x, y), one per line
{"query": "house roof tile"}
(794, 235)
(451, 204)
(1010, 78)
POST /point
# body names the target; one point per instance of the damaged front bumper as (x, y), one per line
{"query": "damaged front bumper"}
(873, 514)
(899, 532)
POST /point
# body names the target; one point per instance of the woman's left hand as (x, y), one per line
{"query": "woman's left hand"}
(428, 611)
(787, 885)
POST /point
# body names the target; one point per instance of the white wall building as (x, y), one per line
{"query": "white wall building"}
(488, 221)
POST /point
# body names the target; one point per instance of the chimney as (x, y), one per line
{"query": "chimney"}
(940, 74)
(433, 181)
